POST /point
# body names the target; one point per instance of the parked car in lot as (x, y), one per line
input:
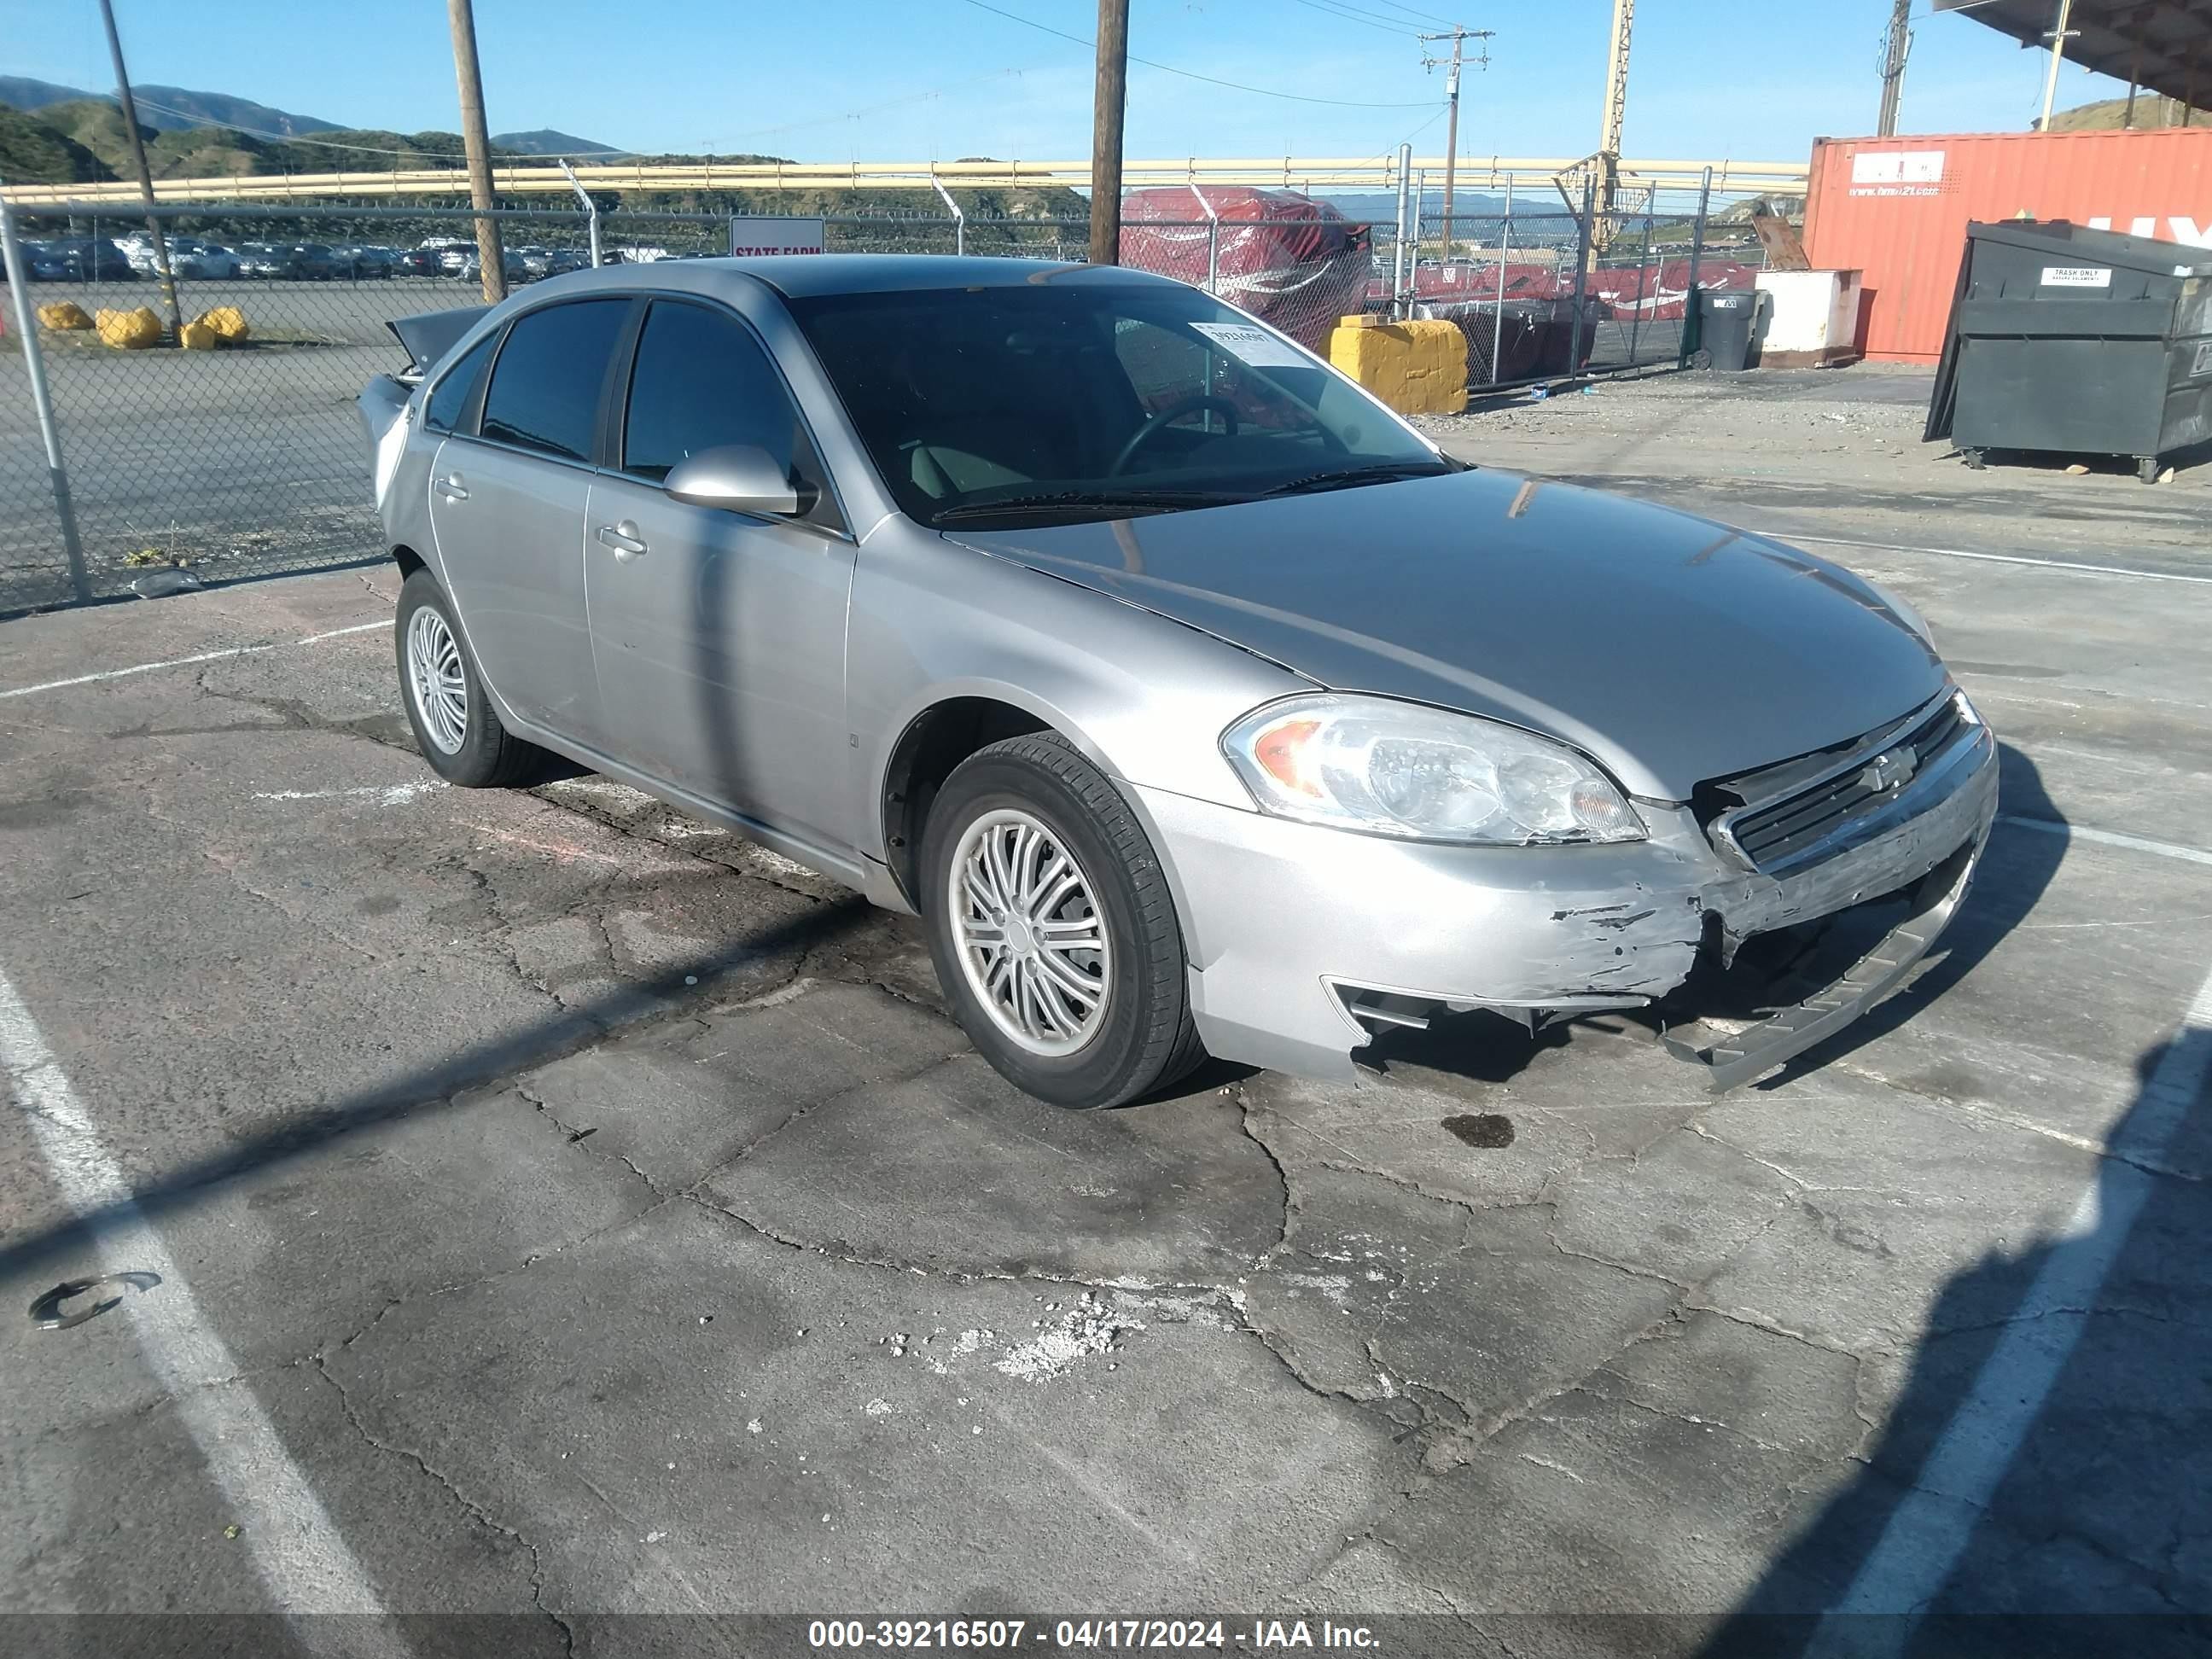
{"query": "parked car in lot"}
(1194, 701)
(418, 262)
(288, 261)
(364, 263)
(542, 262)
(510, 262)
(81, 259)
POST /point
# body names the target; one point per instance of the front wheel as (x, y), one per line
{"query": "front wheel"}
(456, 727)
(1053, 929)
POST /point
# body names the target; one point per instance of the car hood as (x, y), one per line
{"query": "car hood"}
(1672, 649)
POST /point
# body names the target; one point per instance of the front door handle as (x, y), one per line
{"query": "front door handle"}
(623, 539)
(450, 488)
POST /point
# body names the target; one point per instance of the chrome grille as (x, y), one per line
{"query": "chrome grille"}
(1775, 833)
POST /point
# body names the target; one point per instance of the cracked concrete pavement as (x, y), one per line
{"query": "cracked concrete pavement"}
(608, 1219)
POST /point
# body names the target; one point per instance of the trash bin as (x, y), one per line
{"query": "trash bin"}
(2071, 341)
(1727, 320)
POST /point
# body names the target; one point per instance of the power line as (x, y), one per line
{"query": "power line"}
(1425, 16)
(1369, 18)
(1192, 75)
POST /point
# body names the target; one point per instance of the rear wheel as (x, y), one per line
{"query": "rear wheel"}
(455, 726)
(1053, 929)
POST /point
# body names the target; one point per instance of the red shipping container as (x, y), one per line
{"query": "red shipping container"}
(1897, 209)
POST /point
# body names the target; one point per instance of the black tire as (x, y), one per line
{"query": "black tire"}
(1146, 1039)
(490, 756)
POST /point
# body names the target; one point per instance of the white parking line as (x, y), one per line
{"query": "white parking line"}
(187, 662)
(2165, 849)
(1932, 1523)
(1994, 558)
(297, 1552)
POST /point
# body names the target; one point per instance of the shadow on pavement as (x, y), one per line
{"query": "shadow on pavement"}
(2042, 1484)
(430, 1087)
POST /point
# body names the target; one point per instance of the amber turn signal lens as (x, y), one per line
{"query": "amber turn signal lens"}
(1281, 750)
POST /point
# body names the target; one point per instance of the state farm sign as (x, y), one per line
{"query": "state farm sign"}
(749, 236)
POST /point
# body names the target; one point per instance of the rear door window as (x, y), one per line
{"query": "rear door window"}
(449, 399)
(544, 393)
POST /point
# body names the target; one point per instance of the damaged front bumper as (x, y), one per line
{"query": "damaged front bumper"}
(1302, 940)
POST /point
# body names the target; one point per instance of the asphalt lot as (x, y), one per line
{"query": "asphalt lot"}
(564, 1209)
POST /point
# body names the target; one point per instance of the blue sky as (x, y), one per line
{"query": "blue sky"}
(940, 79)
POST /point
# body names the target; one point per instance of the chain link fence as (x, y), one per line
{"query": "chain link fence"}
(189, 466)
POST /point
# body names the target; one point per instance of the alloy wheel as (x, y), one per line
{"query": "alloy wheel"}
(1032, 940)
(437, 680)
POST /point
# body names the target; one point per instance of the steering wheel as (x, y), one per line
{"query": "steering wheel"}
(1174, 412)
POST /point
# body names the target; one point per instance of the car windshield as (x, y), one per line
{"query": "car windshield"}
(1059, 401)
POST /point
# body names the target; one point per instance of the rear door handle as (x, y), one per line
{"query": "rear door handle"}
(450, 488)
(623, 539)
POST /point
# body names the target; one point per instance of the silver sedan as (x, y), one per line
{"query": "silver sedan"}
(1194, 701)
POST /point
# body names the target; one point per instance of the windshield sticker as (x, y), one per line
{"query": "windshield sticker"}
(1251, 344)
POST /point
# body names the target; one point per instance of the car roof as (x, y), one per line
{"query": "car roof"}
(808, 276)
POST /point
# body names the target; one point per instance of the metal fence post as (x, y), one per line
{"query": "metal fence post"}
(35, 365)
(1212, 241)
(959, 219)
(591, 207)
(1643, 268)
(1398, 274)
(1690, 317)
(1585, 247)
(1498, 316)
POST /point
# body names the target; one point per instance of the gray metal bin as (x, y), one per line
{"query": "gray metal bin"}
(2079, 342)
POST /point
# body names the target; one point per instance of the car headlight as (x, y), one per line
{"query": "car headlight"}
(1400, 768)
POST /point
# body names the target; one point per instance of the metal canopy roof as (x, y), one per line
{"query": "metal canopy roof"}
(2163, 45)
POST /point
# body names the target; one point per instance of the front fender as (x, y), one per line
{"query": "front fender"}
(1143, 698)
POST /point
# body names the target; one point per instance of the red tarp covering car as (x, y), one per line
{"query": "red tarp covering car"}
(1292, 261)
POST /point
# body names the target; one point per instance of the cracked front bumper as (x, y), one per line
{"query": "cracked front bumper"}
(1284, 922)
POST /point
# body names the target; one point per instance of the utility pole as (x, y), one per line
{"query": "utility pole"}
(2059, 37)
(491, 252)
(1898, 45)
(145, 174)
(1458, 36)
(1108, 104)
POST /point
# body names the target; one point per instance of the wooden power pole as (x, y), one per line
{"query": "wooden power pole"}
(491, 253)
(1893, 67)
(145, 173)
(1109, 105)
(1459, 37)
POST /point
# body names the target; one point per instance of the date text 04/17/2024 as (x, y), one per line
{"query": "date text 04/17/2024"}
(1013, 1634)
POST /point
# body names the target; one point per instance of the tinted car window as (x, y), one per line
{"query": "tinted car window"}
(449, 399)
(545, 386)
(702, 380)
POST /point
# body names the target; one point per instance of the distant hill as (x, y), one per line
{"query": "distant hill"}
(31, 152)
(545, 141)
(1381, 206)
(168, 109)
(2107, 113)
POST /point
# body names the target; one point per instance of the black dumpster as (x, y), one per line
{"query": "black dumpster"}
(1727, 320)
(2078, 342)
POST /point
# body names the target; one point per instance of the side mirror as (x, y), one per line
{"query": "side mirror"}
(738, 478)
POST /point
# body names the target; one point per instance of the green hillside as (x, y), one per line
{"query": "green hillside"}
(32, 152)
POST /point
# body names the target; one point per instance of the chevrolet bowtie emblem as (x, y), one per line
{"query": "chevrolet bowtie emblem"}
(1893, 769)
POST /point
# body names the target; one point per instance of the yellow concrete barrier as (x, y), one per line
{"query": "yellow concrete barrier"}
(1416, 368)
(198, 336)
(228, 321)
(67, 314)
(130, 330)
